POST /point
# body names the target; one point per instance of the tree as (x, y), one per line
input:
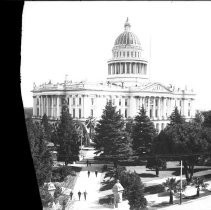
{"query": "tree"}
(185, 140)
(199, 118)
(176, 117)
(172, 186)
(135, 192)
(41, 155)
(207, 119)
(81, 131)
(47, 127)
(68, 139)
(198, 182)
(110, 136)
(90, 123)
(143, 132)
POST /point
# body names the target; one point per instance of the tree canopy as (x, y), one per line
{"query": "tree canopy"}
(143, 132)
(41, 155)
(186, 139)
(110, 136)
(68, 139)
(176, 117)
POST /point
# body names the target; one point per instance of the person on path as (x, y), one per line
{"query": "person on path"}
(71, 194)
(85, 193)
(79, 195)
(64, 204)
(96, 172)
(88, 174)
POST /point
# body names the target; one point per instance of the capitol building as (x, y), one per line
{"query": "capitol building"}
(127, 85)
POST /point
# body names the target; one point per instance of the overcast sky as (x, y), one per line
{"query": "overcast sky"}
(76, 38)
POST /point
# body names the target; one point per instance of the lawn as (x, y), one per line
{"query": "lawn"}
(153, 184)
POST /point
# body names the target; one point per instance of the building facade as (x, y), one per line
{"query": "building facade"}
(128, 86)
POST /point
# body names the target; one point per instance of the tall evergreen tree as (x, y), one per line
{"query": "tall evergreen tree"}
(143, 132)
(176, 117)
(68, 140)
(41, 155)
(135, 192)
(47, 127)
(110, 136)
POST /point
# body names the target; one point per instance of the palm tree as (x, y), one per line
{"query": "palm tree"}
(81, 131)
(198, 182)
(90, 123)
(172, 186)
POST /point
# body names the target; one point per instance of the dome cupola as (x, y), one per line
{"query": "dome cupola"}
(127, 65)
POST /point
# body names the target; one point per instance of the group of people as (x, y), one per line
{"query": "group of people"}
(96, 172)
(89, 164)
(79, 195)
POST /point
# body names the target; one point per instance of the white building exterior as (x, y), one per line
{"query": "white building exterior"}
(128, 86)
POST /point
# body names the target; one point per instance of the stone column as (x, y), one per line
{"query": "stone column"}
(148, 108)
(132, 107)
(164, 108)
(159, 108)
(57, 108)
(51, 102)
(34, 105)
(47, 106)
(153, 108)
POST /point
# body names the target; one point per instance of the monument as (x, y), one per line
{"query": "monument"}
(117, 191)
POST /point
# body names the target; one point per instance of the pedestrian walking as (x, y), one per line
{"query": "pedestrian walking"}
(79, 195)
(88, 174)
(71, 194)
(96, 172)
(87, 163)
(64, 204)
(85, 194)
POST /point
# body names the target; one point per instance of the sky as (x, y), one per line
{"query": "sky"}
(76, 38)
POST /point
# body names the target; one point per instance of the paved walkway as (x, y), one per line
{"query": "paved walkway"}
(92, 185)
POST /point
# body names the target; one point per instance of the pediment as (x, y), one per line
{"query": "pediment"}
(156, 87)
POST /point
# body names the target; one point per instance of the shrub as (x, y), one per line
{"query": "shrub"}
(46, 198)
(154, 189)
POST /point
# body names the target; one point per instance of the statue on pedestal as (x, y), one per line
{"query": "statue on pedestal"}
(117, 191)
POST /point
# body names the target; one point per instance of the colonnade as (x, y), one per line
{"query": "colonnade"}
(47, 104)
(127, 68)
(157, 107)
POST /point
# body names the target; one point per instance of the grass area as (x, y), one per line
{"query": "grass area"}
(173, 169)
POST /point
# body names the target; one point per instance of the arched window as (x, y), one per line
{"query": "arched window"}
(131, 54)
(135, 54)
(119, 54)
(128, 53)
(123, 54)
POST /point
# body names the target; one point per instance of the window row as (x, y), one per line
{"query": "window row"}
(127, 54)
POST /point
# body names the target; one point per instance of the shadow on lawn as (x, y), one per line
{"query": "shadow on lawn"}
(176, 171)
(145, 175)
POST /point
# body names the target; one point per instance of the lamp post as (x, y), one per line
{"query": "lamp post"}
(181, 182)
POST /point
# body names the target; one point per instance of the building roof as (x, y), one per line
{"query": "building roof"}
(127, 37)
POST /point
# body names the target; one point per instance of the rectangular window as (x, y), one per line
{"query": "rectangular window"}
(150, 113)
(124, 54)
(79, 113)
(73, 101)
(92, 112)
(113, 101)
(67, 101)
(119, 111)
(156, 113)
(79, 101)
(120, 102)
(128, 54)
(156, 102)
(180, 103)
(73, 113)
(128, 68)
(125, 113)
(92, 101)
(189, 113)
(125, 102)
